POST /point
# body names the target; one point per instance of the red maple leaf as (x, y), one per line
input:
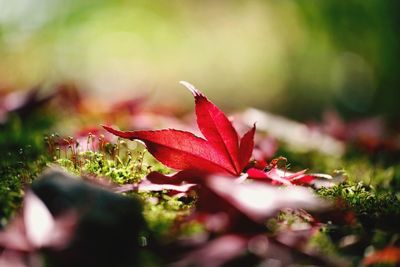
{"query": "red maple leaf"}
(220, 151)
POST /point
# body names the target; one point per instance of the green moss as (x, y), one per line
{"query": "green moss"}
(22, 158)
(323, 244)
(364, 199)
(97, 164)
(163, 212)
(374, 209)
(371, 188)
(126, 166)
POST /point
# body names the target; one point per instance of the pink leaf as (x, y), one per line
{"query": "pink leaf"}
(179, 182)
(148, 186)
(272, 175)
(216, 252)
(39, 223)
(277, 176)
(259, 201)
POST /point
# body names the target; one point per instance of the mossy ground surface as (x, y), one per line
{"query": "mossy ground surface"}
(23, 156)
(371, 188)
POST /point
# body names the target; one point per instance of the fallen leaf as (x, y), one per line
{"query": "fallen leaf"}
(259, 201)
(220, 151)
(146, 186)
(235, 213)
(390, 255)
(216, 252)
(22, 103)
(256, 200)
(296, 135)
(283, 177)
(39, 223)
(73, 223)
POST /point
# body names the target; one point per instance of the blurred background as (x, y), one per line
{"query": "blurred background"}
(297, 58)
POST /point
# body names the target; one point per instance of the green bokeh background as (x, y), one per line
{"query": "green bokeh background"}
(297, 58)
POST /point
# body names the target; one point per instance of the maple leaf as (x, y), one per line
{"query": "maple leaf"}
(220, 151)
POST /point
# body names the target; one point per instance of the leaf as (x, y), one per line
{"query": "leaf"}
(77, 224)
(388, 255)
(281, 177)
(216, 127)
(146, 186)
(22, 103)
(178, 178)
(246, 147)
(273, 177)
(255, 200)
(215, 253)
(179, 182)
(234, 214)
(221, 151)
(259, 201)
(179, 150)
(39, 223)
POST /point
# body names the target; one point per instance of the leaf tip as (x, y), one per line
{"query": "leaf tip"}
(111, 130)
(191, 88)
(106, 127)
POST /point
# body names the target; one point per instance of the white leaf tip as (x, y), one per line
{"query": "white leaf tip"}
(191, 88)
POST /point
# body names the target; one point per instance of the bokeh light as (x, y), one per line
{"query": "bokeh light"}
(298, 58)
